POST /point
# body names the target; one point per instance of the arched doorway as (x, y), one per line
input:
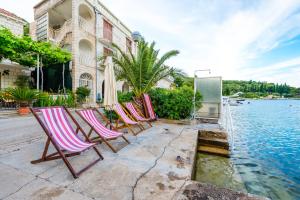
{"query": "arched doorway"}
(86, 80)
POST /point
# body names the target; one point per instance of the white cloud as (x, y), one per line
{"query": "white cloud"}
(221, 35)
(283, 72)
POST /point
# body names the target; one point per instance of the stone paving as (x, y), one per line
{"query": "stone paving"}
(145, 169)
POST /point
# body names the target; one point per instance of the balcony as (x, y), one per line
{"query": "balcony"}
(87, 60)
(86, 25)
(106, 37)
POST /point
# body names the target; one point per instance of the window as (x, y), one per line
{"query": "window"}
(107, 30)
(128, 45)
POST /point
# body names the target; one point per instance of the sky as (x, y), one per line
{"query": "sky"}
(241, 40)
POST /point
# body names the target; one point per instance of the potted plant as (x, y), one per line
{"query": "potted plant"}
(24, 97)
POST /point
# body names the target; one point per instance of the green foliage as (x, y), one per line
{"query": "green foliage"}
(125, 97)
(174, 104)
(6, 94)
(22, 81)
(110, 114)
(24, 96)
(122, 97)
(251, 95)
(254, 89)
(45, 99)
(82, 93)
(26, 29)
(143, 71)
(24, 50)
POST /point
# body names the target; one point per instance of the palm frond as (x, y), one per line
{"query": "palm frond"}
(143, 70)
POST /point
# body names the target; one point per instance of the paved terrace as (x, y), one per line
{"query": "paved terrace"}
(145, 169)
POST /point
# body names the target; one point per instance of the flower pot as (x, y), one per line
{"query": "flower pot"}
(23, 111)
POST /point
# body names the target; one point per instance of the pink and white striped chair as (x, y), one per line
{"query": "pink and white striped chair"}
(104, 133)
(149, 107)
(63, 137)
(128, 121)
(136, 113)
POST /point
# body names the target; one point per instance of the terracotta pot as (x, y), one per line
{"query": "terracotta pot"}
(23, 111)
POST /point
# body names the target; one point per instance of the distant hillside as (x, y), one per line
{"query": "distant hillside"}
(254, 89)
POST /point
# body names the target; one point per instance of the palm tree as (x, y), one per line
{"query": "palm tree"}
(145, 69)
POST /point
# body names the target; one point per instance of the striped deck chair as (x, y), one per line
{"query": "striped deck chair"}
(63, 137)
(136, 113)
(104, 134)
(128, 122)
(149, 111)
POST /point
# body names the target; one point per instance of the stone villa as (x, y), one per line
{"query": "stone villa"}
(87, 29)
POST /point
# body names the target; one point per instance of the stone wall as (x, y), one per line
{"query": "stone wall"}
(10, 79)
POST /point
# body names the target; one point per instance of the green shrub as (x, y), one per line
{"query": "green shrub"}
(82, 93)
(174, 104)
(6, 94)
(113, 114)
(24, 96)
(125, 97)
(45, 100)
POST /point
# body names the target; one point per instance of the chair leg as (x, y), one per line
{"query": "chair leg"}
(125, 139)
(129, 127)
(46, 148)
(98, 153)
(110, 146)
(141, 126)
(89, 133)
(44, 155)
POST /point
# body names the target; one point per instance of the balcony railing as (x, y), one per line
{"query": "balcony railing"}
(87, 60)
(86, 25)
(58, 35)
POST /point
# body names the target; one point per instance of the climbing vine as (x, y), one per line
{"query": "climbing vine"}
(24, 50)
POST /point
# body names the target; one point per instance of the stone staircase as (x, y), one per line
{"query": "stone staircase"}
(63, 34)
(213, 141)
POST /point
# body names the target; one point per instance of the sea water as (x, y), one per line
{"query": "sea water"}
(265, 159)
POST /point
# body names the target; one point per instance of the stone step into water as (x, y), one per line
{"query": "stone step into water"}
(214, 151)
(214, 142)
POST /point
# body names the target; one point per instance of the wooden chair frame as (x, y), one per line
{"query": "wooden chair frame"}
(125, 125)
(100, 138)
(146, 109)
(62, 153)
(139, 112)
